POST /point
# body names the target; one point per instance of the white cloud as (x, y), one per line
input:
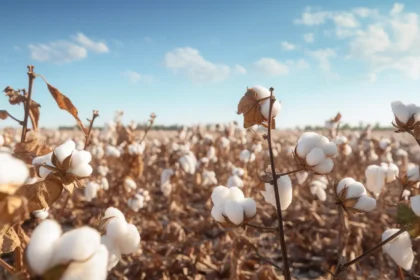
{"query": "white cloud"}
(97, 47)
(365, 12)
(57, 52)
(65, 51)
(345, 20)
(135, 77)
(272, 67)
(369, 42)
(239, 69)
(197, 69)
(323, 57)
(299, 64)
(287, 46)
(309, 37)
(406, 32)
(396, 9)
(312, 18)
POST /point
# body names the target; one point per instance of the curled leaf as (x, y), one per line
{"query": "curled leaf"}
(9, 240)
(249, 106)
(27, 150)
(13, 209)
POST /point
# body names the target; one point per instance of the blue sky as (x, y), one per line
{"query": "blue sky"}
(191, 61)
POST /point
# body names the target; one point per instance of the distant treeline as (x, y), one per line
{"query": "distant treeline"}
(344, 126)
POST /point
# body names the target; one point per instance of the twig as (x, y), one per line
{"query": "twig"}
(286, 269)
(288, 173)
(412, 134)
(94, 116)
(19, 121)
(267, 260)
(400, 273)
(370, 251)
(275, 229)
(6, 266)
(31, 76)
(151, 121)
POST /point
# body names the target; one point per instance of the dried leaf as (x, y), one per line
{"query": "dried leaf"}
(3, 114)
(407, 218)
(65, 103)
(26, 151)
(13, 209)
(34, 114)
(42, 194)
(9, 240)
(249, 106)
(337, 118)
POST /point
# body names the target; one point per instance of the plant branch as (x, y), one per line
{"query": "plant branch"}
(19, 121)
(288, 173)
(31, 77)
(370, 251)
(274, 229)
(286, 269)
(412, 134)
(151, 121)
(94, 116)
(6, 266)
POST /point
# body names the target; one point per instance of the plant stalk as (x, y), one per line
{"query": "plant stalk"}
(31, 77)
(286, 268)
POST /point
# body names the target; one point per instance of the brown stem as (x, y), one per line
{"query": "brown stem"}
(6, 266)
(148, 128)
(286, 269)
(400, 273)
(19, 121)
(288, 173)
(275, 229)
(94, 116)
(31, 76)
(370, 251)
(412, 134)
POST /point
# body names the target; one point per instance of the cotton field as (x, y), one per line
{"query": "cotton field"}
(227, 201)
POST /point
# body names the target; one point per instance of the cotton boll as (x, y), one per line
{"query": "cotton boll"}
(415, 204)
(41, 246)
(365, 204)
(104, 183)
(285, 192)
(113, 212)
(81, 171)
(114, 255)
(246, 156)
(94, 268)
(375, 178)
(301, 177)
(330, 149)
(326, 166)
(41, 214)
(129, 184)
(130, 241)
(76, 245)
(116, 228)
(217, 213)
(13, 172)
(306, 143)
(250, 207)
(64, 150)
(265, 108)
(91, 190)
(347, 150)
(80, 158)
(315, 156)
(400, 111)
(238, 171)
(261, 91)
(234, 211)
(344, 183)
(219, 194)
(355, 190)
(236, 194)
(235, 181)
(399, 249)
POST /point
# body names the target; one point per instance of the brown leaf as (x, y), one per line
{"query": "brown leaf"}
(137, 166)
(3, 114)
(9, 240)
(13, 209)
(42, 194)
(65, 103)
(417, 130)
(337, 118)
(26, 151)
(34, 114)
(124, 135)
(249, 106)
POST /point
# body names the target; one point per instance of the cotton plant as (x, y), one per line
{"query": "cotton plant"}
(246, 156)
(209, 178)
(399, 249)
(315, 152)
(112, 151)
(188, 163)
(235, 180)
(318, 187)
(301, 177)
(102, 170)
(165, 181)
(231, 207)
(211, 154)
(78, 253)
(377, 176)
(343, 145)
(120, 237)
(91, 190)
(136, 148)
(405, 115)
(65, 159)
(129, 184)
(352, 196)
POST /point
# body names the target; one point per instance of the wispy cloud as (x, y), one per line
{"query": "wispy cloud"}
(65, 51)
(272, 67)
(287, 46)
(135, 77)
(239, 69)
(190, 62)
(309, 37)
